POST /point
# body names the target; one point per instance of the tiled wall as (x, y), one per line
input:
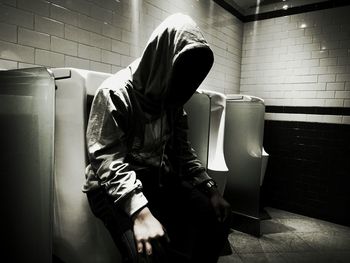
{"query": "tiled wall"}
(300, 65)
(308, 169)
(106, 35)
(299, 60)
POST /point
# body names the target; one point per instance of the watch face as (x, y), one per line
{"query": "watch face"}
(210, 184)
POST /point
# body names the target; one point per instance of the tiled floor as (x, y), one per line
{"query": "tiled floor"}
(289, 237)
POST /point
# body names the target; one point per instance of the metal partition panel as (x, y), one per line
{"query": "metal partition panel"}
(27, 99)
(198, 110)
(243, 148)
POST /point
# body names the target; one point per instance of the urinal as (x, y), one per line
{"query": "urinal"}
(246, 159)
(263, 154)
(78, 236)
(206, 119)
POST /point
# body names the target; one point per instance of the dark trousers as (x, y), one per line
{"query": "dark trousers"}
(186, 213)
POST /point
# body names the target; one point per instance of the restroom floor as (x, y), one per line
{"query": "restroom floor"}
(289, 237)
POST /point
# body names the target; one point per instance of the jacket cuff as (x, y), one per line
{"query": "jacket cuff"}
(134, 202)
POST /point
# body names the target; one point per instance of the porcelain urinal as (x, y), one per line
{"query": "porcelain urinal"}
(206, 119)
(78, 236)
(244, 157)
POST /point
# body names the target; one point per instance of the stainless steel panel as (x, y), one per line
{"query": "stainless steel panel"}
(26, 164)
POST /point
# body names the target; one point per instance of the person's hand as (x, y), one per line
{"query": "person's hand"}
(221, 206)
(146, 230)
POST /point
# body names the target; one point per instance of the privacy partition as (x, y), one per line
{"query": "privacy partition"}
(27, 109)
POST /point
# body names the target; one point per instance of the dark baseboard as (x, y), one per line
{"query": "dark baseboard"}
(246, 224)
(345, 111)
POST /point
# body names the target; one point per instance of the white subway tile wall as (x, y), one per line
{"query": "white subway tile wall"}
(106, 35)
(299, 60)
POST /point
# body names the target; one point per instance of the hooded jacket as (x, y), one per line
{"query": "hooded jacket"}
(137, 119)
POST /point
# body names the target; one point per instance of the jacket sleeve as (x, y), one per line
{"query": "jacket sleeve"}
(107, 148)
(186, 160)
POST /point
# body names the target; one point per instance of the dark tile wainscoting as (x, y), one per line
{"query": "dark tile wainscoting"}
(309, 169)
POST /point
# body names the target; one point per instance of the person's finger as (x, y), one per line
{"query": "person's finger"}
(139, 246)
(148, 248)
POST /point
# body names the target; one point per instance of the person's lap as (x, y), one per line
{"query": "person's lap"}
(183, 210)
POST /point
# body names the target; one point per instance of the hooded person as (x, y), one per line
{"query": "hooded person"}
(144, 180)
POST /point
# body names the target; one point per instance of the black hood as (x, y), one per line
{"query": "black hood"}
(174, 63)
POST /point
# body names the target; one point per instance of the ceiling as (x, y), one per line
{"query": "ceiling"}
(249, 7)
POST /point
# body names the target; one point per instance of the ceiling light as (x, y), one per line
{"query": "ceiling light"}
(285, 7)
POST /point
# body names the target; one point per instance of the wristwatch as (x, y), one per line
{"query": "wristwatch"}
(208, 185)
